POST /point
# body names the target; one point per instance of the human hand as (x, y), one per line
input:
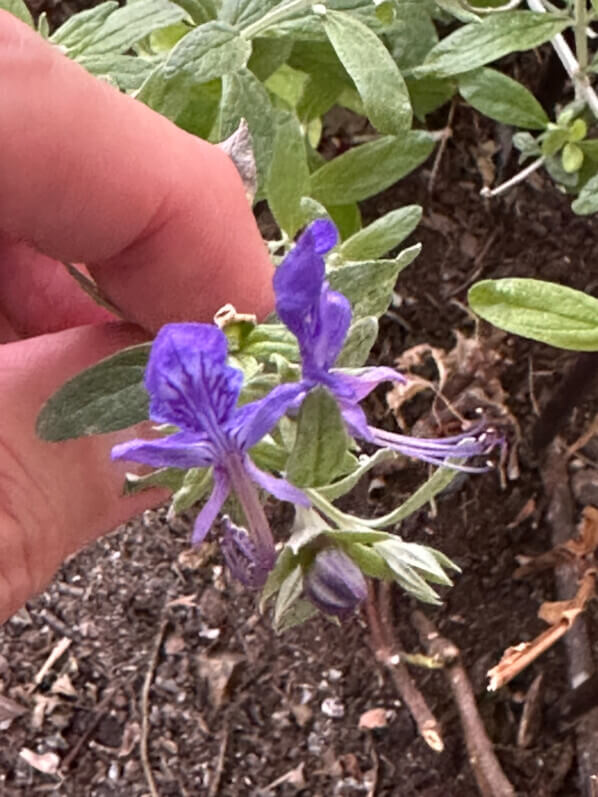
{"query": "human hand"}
(160, 219)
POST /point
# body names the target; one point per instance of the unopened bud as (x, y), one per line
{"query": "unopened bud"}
(334, 583)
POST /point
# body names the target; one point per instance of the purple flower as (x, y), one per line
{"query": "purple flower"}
(192, 387)
(334, 583)
(320, 318)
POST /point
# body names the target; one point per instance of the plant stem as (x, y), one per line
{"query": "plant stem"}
(582, 85)
(517, 178)
(277, 14)
(581, 38)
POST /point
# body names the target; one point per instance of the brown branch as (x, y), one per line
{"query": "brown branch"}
(378, 612)
(147, 685)
(490, 778)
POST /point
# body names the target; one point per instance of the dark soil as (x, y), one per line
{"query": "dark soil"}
(232, 708)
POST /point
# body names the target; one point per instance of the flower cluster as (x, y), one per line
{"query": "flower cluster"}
(192, 387)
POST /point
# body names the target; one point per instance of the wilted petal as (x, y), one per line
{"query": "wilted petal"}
(210, 510)
(299, 278)
(334, 583)
(181, 450)
(189, 383)
(279, 488)
(251, 422)
(241, 556)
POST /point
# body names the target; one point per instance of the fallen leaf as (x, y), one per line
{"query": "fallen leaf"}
(63, 686)
(10, 709)
(374, 718)
(131, 736)
(47, 763)
(218, 671)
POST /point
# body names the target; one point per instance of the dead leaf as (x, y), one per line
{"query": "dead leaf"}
(526, 511)
(131, 736)
(374, 718)
(44, 705)
(174, 644)
(563, 613)
(239, 148)
(47, 763)
(218, 671)
(10, 709)
(198, 557)
(302, 713)
(184, 600)
(63, 686)
(294, 777)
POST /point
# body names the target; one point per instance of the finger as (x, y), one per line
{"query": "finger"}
(40, 296)
(54, 497)
(91, 175)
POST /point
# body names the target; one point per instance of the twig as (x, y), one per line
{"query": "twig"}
(215, 781)
(57, 651)
(560, 517)
(446, 134)
(490, 778)
(147, 684)
(582, 85)
(380, 625)
(100, 711)
(488, 192)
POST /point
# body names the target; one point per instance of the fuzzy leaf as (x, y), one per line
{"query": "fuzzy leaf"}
(321, 442)
(501, 98)
(289, 591)
(131, 23)
(288, 178)
(333, 491)
(108, 396)
(372, 69)
(539, 310)
(171, 478)
(369, 284)
(18, 9)
(367, 169)
(382, 235)
(362, 336)
(479, 43)
(587, 201)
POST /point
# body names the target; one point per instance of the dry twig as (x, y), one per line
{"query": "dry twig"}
(490, 778)
(215, 781)
(147, 684)
(378, 611)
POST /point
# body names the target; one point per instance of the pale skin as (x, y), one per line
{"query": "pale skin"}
(88, 175)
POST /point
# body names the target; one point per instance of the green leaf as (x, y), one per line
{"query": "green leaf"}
(207, 52)
(300, 612)
(319, 450)
(362, 336)
(127, 71)
(369, 561)
(195, 486)
(457, 10)
(429, 94)
(587, 201)
(80, 29)
(18, 9)
(438, 482)
(369, 284)
(285, 563)
(412, 35)
(382, 235)
(501, 98)
(553, 140)
(43, 26)
(243, 12)
(170, 478)
(268, 455)
(288, 178)
(108, 396)
(420, 558)
(480, 43)
(572, 158)
(367, 169)
(372, 69)
(539, 310)
(131, 23)
(333, 491)
(363, 536)
(347, 218)
(405, 575)
(267, 339)
(244, 97)
(267, 55)
(578, 130)
(290, 591)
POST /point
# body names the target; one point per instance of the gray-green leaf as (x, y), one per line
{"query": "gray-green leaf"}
(370, 168)
(362, 336)
(587, 201)
(382, 235)
(501, 98)
(321, 442)
(18, 9)
(108, 396)
(480, 43)
(288, 179)
(539, 310)
(375, 74)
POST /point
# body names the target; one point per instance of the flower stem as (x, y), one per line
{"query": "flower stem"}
(581, 38)
(487, 192)
(257, 522)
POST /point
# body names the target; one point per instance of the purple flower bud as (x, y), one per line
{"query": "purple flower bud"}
(334, 583)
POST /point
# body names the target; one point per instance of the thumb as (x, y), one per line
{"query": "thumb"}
(55, 497)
